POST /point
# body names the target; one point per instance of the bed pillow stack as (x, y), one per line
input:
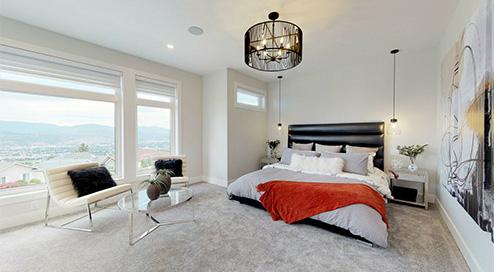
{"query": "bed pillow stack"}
(286, 156)
(356, 163)
(320, 165)
(357, 159)
(370, 151)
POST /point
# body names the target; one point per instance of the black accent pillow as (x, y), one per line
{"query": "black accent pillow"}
(172, 164)
(90, 180)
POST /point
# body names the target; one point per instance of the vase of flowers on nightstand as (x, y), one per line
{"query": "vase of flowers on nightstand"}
(272, 148)
(411, 151)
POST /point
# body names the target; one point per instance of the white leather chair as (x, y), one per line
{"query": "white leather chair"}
(177, 180)
(61, 190)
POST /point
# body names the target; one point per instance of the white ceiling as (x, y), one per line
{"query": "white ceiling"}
(335, 31)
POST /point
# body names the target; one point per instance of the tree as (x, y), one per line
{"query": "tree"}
(83, 148)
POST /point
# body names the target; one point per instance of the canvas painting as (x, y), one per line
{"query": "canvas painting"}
(466, 95)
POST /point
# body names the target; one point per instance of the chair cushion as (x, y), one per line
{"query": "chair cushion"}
(174, 165)
(95, 197)
(90, 180)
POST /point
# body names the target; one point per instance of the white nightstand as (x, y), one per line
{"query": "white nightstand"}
(418, 180)
(267, 160)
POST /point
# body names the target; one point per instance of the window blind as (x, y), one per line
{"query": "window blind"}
(26, 66)
(150, 89)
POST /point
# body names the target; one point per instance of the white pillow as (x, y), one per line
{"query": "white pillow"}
(331, 166)
(370, 163)
(306, 147)
(311, 164)
(328, 148)
(297, 161)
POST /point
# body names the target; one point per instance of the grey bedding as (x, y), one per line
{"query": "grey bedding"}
(359, 219)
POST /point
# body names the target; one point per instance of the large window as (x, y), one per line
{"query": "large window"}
(246, 98)
(53, 113)
(57, 111)
(156, 104)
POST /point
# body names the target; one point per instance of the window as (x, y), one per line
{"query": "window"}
(156, 104)
(250, 99)
(26, 176)
(54, 112)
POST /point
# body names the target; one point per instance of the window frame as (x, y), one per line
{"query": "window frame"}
(174, 106)
(251, 91)
(125, 111)
(62, 92)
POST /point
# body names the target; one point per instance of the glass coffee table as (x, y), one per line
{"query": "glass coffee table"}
(139, 202)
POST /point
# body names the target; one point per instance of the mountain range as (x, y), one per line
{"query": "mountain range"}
(26, 133)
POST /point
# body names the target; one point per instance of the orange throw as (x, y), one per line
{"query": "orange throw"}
(293, 201)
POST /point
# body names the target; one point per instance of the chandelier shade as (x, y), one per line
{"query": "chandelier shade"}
(273, 46)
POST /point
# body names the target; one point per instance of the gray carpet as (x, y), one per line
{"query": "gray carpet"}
(229, 236)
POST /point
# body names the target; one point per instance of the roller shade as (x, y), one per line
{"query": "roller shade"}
(150, 89)
(26, 66)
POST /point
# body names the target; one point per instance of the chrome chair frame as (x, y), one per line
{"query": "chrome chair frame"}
(62, 192)
(89, 214)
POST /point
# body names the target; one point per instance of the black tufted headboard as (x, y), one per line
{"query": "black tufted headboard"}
(357, 134)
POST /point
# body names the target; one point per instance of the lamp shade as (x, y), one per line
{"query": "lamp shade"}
(273, 46)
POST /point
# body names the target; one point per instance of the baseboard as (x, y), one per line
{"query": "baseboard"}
(467, 253)
(194, 180)
(215, 181)
(35, 217)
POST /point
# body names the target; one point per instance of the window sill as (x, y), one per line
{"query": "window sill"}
(249, 107)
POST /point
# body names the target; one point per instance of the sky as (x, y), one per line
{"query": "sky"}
(69, 112)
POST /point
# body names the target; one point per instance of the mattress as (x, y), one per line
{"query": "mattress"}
(361, 220)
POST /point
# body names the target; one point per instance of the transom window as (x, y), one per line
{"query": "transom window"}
(250, 99)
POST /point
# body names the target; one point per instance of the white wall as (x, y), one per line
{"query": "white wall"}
(234, 138)
(361, 91)
(215, 128)
(246, 129)
(474, 243)
(191, 98)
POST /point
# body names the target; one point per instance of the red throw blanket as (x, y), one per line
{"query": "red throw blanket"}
(293, 201)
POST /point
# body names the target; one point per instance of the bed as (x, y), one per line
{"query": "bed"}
(358, 220)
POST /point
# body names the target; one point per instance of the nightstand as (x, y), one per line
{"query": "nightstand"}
(411, 187)
(267, 160)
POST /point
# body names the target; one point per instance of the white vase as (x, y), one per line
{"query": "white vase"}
(413, 167)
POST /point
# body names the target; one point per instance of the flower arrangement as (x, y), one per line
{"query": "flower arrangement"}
(272, 145)
(412, 151)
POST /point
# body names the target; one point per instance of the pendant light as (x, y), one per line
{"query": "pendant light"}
(394, 129)
(273, 45)
(279, 103)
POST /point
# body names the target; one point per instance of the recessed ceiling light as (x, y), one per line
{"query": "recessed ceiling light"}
(170, 46)
(195, 30)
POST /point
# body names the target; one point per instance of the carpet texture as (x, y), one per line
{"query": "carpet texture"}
(229, 236)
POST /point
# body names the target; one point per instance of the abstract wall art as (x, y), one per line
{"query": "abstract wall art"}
(466, 168)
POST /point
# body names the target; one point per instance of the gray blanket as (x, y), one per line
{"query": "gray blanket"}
(359, 219)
